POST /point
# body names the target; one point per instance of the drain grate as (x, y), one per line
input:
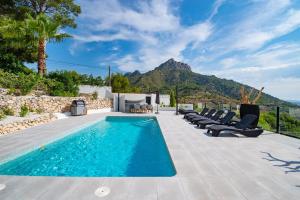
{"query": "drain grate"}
(102, 191)
(2, 186)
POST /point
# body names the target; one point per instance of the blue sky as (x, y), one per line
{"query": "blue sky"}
(256, 42)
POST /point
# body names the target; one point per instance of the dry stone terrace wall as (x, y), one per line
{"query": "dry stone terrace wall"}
(6, 128)
(50, 104)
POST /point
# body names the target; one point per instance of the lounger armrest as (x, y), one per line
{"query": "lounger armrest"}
(232, 123)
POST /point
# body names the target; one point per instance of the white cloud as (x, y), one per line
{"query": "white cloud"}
(284, 88)
(244, 50)
(217, 5)
(229, 63)
(261, 22)
(275, 57)
(152, 24)
(150, 55)
(115, 48)
(147, 16)
(239, 50)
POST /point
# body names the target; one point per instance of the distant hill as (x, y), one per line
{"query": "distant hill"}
(295, 102)
(193, 86)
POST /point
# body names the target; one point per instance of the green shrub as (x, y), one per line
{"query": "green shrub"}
(90, 80)
(59, 83)
(65, 83)
(24, 111)
(39, 111)
(2, 115)
(11, 91)
(18, 82)
(8, 111)
(264, 122)
(195, 106)
(26, 83)
(172, 99)
(95, 95)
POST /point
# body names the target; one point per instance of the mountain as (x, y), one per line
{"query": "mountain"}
(295, 102)
(193, 86)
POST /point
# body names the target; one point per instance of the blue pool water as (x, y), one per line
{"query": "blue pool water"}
(113, 147)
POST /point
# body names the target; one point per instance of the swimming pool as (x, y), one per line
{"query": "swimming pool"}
(112, 147)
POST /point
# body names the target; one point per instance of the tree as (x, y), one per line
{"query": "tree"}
(16, 46)
(172, 99)
(66, 83)
(44, 29)
(43, 20)
(41, 29)
(63, 12)
(119, 83)
(91, 80)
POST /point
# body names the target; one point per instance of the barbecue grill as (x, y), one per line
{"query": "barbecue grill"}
(78, 107)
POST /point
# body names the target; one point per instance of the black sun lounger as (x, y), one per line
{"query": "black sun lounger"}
(184, 112)
(223, 121)
(208, 115)
(241, 127)
(202, 113)
(216, 116)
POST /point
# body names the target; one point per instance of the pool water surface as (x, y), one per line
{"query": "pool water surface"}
(112, 147)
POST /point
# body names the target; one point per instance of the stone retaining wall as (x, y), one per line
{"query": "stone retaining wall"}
(26, 123)
(48, 104)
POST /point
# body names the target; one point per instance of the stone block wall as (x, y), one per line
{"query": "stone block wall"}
(6, 128)
(48, 104)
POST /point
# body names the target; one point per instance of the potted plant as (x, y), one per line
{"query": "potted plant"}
(249, 106)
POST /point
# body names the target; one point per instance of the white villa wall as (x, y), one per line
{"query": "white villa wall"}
(127, 96)
(103, 92)
(186, 106)
(164, 99)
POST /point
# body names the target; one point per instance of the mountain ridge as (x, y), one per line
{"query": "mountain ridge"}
(194, 86)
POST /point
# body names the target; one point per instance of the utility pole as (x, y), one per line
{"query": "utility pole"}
(176, 99)
(109, 76)
(277, 119)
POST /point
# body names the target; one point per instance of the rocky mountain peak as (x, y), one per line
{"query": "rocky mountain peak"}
(172, 64)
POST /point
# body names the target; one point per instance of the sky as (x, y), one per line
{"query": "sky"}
(255, 42)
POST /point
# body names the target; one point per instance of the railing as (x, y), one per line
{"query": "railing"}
(288, 121)
(284, 120)
(279, 119)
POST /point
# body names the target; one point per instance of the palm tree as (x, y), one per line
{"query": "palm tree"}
(41, 29)
(44, 30)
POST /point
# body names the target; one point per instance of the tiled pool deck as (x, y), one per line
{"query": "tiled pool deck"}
(207, 167)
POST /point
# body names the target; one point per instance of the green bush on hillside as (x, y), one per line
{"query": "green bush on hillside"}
(121, 84)
(90, 80)
(59, 83)
(24, 111)
(288, 124)
(7, 111)
(10, 63)
(66, 83)
(172, 99)
(18, 84)
(267, 121)
(2, 115)
(95, 95)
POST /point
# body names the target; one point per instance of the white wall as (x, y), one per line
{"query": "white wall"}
(186, 106)
(164, 99)
(127, 96)
(103, 92)
(141, 98)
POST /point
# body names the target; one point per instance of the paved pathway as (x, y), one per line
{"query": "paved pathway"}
(226, 167)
